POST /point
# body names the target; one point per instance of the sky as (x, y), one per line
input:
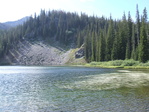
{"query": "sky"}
(11, 10)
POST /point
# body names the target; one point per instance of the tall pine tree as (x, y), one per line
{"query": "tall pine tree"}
(109, 40)
(102, 47)
(143, 46)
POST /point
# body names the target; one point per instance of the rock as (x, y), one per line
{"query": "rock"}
(39, 53)
(79, 53)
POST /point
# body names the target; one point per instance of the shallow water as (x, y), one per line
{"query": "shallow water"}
(72, 89)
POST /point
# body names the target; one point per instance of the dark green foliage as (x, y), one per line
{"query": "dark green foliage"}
(137, 25)
(129, 41)
(109, 40)
(102, 48)
(114, 54)
(143, 46)
(103, 39)
(133, 43)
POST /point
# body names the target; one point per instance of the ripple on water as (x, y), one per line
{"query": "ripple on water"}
(46, 89)
(122, 78)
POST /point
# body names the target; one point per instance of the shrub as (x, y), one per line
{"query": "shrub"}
(144, 64)
(116, 63)
(120, 63)
(130, 63)
(96, 63)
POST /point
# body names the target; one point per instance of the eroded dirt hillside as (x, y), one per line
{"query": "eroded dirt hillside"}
(39, 53)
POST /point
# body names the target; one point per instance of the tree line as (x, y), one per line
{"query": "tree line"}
(110, 39)
(104, 39)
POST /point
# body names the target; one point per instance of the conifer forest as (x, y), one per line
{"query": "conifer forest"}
(103, 38)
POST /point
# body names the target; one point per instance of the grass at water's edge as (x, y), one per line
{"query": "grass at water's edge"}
(125, 64)
(122, 64)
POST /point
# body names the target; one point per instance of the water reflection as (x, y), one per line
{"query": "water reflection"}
(55, 89)
(120, 79)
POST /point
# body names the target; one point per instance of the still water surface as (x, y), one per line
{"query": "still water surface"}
(73, 89)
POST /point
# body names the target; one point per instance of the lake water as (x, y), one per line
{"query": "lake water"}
(73, 89)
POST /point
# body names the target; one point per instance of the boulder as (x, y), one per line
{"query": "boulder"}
(79, 53)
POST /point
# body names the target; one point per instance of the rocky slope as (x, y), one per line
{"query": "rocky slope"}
(39, 53)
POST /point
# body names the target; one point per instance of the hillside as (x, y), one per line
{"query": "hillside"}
(17, 22)
(103, 39)
(3, 26)
(10, 24)
(40, 53)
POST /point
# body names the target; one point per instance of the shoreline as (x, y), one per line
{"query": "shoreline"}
(116, 64)
(122, 64)
(117, 67)
(87, 65)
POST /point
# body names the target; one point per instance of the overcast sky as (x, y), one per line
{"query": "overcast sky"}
(11, 10)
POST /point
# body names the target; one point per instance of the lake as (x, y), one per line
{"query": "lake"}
(73, 89)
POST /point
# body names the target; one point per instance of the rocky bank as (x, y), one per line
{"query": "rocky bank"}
(39, 53)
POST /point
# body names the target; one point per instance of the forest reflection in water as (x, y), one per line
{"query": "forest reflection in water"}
(55, 89)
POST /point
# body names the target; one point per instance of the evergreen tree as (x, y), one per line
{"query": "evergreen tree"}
(103, 39)
(114, 55)
(93, 47)
(102, 47)
(133, 53)
(88, 45)
(109, 40)
(143, 46)
(145, 15)
(123, 37)
(137, 24)
(79, 40)
(129, 42)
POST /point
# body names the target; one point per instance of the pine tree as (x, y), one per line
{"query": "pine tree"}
(79, 40)
(145, 15)
(143, 46)
(127, 51)
(123, 37)
(133, 53)
(93, 46)
(102, 47)
(114, 55)
(109, 41)
(137, 24)
(97, 46)
(103, 39)
(88, 49)
(128, 46)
